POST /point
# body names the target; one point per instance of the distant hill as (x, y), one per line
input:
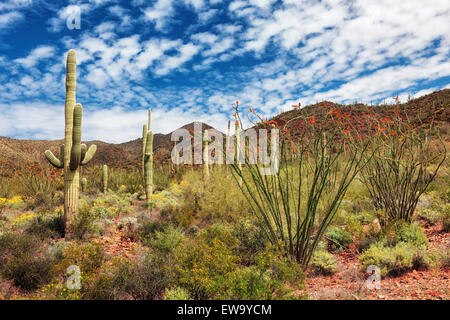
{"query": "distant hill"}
(15, 152)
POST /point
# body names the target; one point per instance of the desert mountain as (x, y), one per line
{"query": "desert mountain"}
(15, 152)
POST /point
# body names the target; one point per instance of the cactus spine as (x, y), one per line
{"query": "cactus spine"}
(105, 178)
(205, 154)
(147, 159)
(73, 153)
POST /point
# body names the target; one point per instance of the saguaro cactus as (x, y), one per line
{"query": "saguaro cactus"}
(227, 145)
(205, 154)
(105, 178)
(73, 153)
(147, 159)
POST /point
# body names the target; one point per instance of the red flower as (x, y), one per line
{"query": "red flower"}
(393, 133)
(312, 119)
(396, 98)
(237, 102)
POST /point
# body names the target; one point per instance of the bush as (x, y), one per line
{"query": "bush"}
(82, 223)
(323, 263)
(252, 240)
(118, 203)
(274, 276)
(446, 222)
(29, 271)
(433, 208)
(217, 200)
(167, 240)
(177, 294)
(148, 229)
(23, 261)
(338, 238)
(202, 264)
(409, 233)
(397, 260)
(143, 280)
(47, 225)
(40, 188)
(87, 256)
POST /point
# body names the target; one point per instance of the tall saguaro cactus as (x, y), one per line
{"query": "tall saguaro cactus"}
(73, 153)
(205, 154)
(228, 145)
(105, 178)
(147, 158)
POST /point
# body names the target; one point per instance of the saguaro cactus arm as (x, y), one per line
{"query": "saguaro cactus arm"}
(75, 153)
(89, 154)
(54, 161)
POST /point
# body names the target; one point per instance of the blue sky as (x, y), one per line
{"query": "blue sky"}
(190, 60)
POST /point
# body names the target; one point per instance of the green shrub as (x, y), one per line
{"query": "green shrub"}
(87, 256)
(82, 223)
(222, 232)
(147, 230)
(28, 271)
(161, 179)
(338, 238)
(23, 261)
(167, 240)
(323, 263)
(249, 284)
(47, 224)
(118, 203)
(397, 260)
(252, 240)
(217, 200)
(433, 208)
(274, 276)
(409, 233)
(144, 279)
(446, 222)
(177, 294)
(201, 265)
(40, 188)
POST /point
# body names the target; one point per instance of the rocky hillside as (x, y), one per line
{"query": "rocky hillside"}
(16, 153)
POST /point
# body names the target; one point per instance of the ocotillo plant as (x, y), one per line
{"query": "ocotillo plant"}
(237, 133)
(73, 153)
(147, 159)
(205, 154)
(105, 178)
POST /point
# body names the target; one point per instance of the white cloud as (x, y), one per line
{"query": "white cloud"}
(270, 56)
(8, 19)
(40, 53)
(186, 52)
(160, 13)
